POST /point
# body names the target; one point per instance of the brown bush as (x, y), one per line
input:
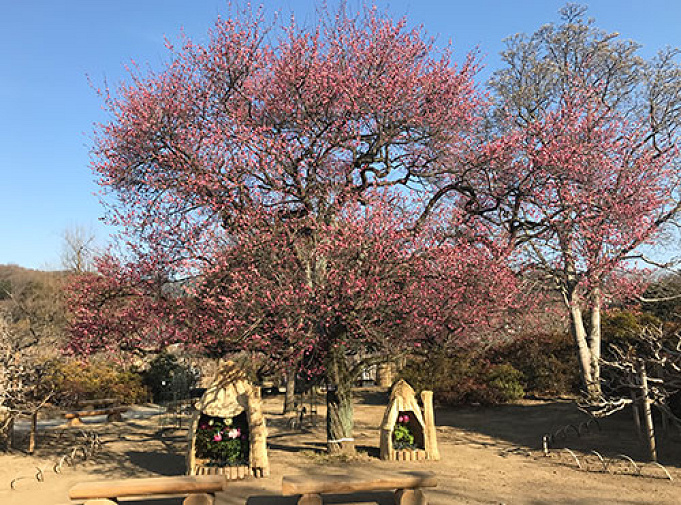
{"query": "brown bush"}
(74, 380)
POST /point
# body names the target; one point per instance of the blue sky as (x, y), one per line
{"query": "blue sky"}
(48, 108)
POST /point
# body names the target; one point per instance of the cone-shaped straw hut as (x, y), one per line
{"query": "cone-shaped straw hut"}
(407, 432)
(228, 435)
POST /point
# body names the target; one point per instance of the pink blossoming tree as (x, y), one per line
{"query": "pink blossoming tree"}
(580, 171)
(263, 166)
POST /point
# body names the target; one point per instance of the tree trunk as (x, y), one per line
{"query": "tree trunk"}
(6, 429)
(635, 412)
(595, 338)
(583, 351)
(649, 431)
(290, 395)
(339, 420)
(339, 410)
(32, 433)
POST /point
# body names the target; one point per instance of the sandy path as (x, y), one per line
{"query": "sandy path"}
(490, 456)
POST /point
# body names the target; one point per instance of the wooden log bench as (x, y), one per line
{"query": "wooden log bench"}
(112, 414)
(407, 486)
(198, 489)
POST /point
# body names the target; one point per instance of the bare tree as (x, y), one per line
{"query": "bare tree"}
(643, 372)
(22, 389)
(32, 321)
(78, 249)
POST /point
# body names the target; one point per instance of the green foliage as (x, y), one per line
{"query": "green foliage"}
(464, 379)
(73, 381)
(505, 381)
(167, 379)
(667, 290)
(624, 327)
(403, 438)
(223, 441)
(547, 362)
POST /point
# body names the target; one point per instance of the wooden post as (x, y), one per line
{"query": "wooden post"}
(430, 435)
(290, 395)
(34, 428)
(384, 376)
(636, 412)
(649, 432)
(259, 462)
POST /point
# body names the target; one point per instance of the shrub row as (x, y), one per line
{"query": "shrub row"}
(72, 381)
(464, 379)
(538, 364)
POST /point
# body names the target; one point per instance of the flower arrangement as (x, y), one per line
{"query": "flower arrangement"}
(403, 437)
(223, 441)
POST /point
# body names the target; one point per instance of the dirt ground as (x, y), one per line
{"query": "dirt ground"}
(489, 456)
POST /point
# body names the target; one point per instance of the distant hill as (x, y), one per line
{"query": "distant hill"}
(32, 305)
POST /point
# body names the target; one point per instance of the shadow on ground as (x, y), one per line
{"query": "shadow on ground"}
(375, 498)
(157, 462)
(525, 424)
(371, 396)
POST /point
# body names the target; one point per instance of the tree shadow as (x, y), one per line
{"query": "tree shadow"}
(526, 424)
(371, 451)
(317, 447)
(372, 396)
(368, 498)
(157, 462)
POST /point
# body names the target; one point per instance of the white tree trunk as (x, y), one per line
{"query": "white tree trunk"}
(595, 338)
(580, 336)
(588, 346)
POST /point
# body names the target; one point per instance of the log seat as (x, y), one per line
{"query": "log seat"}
(112, 414)
(408, 486)
(198, 489)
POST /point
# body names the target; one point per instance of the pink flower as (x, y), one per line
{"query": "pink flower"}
(400, 419)
(233, 433)
(406, 418)
(217, 437)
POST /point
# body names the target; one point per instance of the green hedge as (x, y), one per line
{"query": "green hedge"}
(461, 379)
(548, 363)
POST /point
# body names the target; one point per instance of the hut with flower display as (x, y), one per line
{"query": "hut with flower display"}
(407, 430)
(228, 435)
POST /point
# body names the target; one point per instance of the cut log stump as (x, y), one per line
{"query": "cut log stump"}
(410, 497)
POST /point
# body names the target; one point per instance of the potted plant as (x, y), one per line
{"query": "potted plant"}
(223, 442)
(403, 435)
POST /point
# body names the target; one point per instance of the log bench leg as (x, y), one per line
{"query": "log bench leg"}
(410, 497)
(310, 499)
(199, 499)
